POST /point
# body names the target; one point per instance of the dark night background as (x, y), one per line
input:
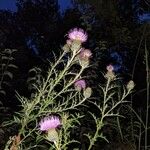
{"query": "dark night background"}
(117, 29)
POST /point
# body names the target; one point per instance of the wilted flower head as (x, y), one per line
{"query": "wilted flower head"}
(77, 34)
(48, 123)
(16, 141)
(85, 54)
(110, 68)
(80, 84)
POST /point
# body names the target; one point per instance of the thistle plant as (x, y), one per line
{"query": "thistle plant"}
(45, 120)
(108, 105)
(49, 115)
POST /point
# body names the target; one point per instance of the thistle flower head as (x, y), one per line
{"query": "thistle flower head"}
(85, 54)
(48, 123)
(80, 84)
(78, 34)
(110, 74)
(110, 68)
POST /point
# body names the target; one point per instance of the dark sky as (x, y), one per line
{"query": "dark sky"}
(10, 4)
(64, 4)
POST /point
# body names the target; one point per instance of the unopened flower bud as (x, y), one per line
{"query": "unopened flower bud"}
(84, 63)
(66, 48)
(110, 75)
(87, 92)
(130, 85)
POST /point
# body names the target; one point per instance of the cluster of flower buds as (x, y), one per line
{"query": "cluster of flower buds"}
(74, 43)
(76, 38)
(110, 73)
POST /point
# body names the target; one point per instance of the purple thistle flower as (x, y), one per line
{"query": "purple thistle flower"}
(51, 122)
(85, 54)
(80, 84)
(110, 68)
(78, 34)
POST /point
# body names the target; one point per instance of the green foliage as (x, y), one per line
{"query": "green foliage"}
(6, 69)
(34, 80)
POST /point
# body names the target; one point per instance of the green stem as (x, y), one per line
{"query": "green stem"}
(62, 91)
(53, 67)
(57, 146)
(147, 95)
(93, 140)
(139, 140)
(105, 94)
(100, 123)
(69, 84)
(123, 97)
